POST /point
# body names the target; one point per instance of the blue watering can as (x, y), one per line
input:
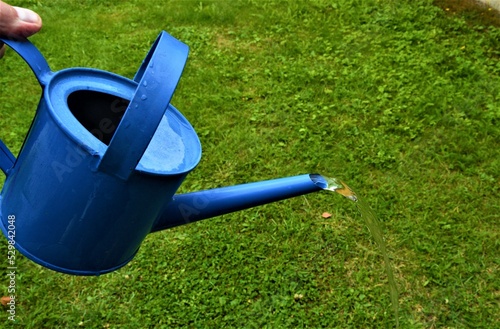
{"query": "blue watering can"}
(101, 163)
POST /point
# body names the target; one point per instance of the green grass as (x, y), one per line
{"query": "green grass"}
(398, 98)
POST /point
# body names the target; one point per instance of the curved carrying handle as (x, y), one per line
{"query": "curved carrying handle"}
(157, 79)
(33, 57)
(41, 68)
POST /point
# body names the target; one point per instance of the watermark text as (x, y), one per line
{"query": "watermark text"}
(11, 267)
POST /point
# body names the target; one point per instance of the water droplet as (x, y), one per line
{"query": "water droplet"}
(145, 83)
(144, 97)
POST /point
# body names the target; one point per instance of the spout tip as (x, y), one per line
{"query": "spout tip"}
(319, 181)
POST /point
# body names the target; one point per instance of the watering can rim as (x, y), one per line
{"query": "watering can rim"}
(70, 80)
(123, 155)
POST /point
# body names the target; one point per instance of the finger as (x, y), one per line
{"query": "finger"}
(18, 23)
(30, 23)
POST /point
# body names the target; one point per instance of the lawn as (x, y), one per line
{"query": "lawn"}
(398, 98)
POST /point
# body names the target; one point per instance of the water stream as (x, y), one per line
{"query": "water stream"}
(373, 224)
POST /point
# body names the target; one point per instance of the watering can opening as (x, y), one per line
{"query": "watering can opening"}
(89, 105)
(100, 113)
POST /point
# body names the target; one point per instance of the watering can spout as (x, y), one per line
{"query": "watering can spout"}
(195, 206)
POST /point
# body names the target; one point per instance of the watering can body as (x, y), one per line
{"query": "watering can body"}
(102, 157)
(102, 162)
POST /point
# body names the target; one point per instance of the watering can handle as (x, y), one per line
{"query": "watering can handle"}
(39, 65)
(7, 159)
(33, 57)
(157, 79)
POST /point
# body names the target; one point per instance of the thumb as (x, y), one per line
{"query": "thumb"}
(18, 23)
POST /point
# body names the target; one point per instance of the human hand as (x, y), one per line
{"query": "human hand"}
(17, 23)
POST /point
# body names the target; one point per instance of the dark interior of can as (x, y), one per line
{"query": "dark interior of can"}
(98, 112)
